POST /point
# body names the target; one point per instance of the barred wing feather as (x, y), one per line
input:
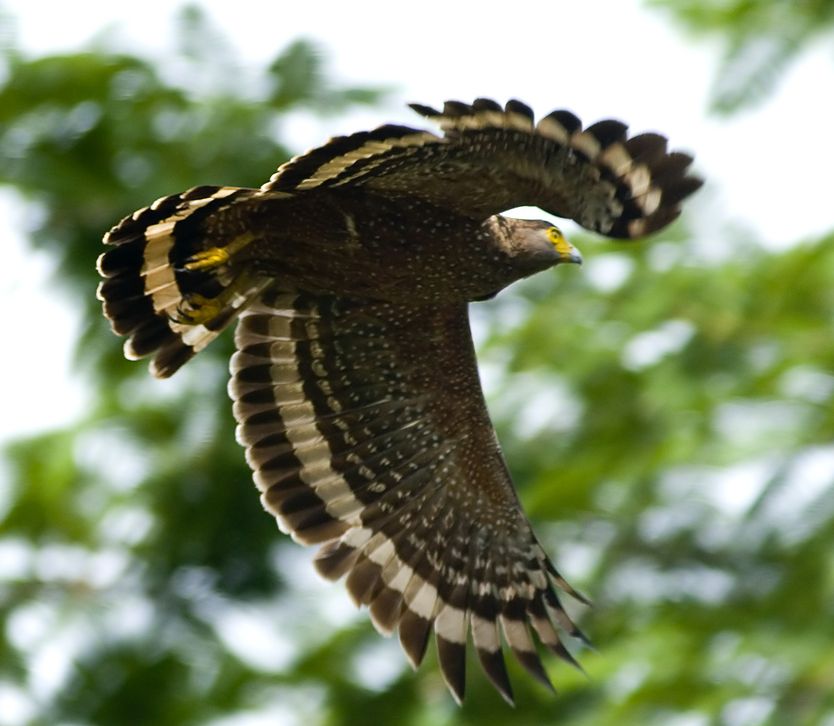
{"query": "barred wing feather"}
(366, 429)
(492, 158)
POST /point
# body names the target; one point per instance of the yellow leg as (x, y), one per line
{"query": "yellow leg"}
(215, 257)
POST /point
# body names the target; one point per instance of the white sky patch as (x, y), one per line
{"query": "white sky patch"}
(732, 490)
(16, 707)
(16, 557)
(30, 624)
(254, 634)
(296, 705)
(811, 475)
(322, 600)
(808, 384)
(803, 500)
(663, 523)
(627, 679)
(798, 501)
(73, 564)
(580, 558)
(685, 719)
(735, 489)
(776, 187)
(535, 401)
(747, 711)
(663, 256)
(276, 714)
(114, 452)
(493, 377)
(378, 664)
(640, 580)
(749, 423)
(567, 226)
(510, 313)
(40, 332)
(257, 633)
(608, 272)
(49, 642)
(646, 349)
(128, 616)
(126, 524)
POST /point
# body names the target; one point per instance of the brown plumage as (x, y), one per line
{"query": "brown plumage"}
(355, 383)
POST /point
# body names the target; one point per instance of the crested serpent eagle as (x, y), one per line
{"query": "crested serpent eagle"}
(354, 383)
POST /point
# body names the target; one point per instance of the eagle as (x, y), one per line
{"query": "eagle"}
(354, 382)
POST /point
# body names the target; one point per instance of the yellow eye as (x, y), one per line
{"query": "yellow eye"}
(554, 234)
(566, 251)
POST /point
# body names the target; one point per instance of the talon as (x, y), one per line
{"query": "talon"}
(197, 309)
(200, 309)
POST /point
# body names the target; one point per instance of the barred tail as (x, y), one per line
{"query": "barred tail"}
(170, 285)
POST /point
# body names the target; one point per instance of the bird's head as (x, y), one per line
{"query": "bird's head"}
(536, 245)
(518, 248)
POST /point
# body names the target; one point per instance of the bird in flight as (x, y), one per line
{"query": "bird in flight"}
(354, 381)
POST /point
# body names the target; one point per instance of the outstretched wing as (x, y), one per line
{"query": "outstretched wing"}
(367, 431)
(491, 159)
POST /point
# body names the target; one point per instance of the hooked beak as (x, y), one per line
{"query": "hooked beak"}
(568, 253)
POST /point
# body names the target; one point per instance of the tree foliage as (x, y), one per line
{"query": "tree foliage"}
(668, 418)
(760, 41)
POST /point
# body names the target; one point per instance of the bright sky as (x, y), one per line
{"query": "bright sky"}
(766, 169)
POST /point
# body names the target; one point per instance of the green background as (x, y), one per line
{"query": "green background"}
(683, 476)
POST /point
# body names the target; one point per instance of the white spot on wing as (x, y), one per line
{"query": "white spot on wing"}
(586, 143)
(485, 634)
(451, 624)
(552, 129)
(424, 598)
(517, 634)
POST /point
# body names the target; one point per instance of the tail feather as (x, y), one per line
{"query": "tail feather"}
(164, 309)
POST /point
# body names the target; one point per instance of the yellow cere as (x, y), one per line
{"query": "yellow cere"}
(563, 247)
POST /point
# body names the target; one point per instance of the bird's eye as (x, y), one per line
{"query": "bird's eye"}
(554, 234)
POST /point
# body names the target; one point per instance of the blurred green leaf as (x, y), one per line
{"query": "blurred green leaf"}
(760, 41)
